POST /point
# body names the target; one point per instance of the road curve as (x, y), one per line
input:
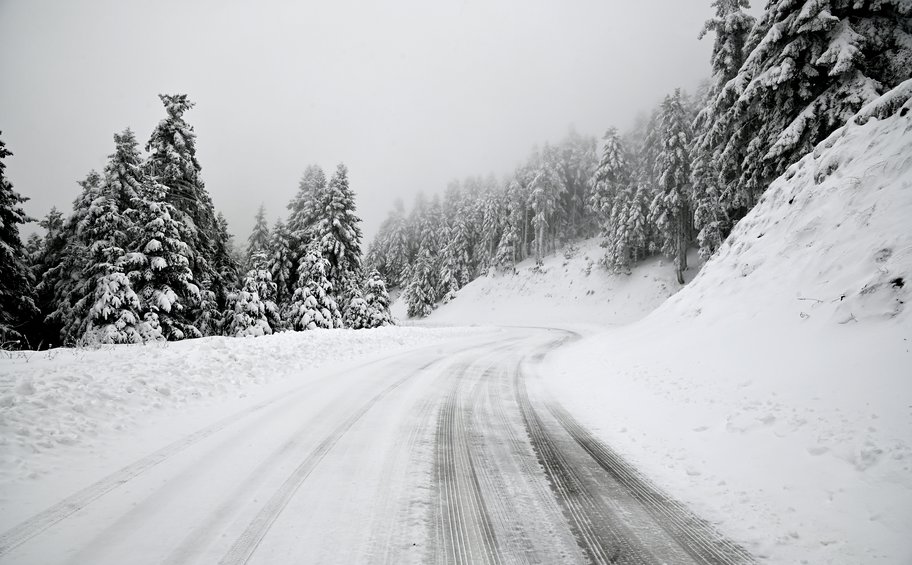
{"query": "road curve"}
(447, 455)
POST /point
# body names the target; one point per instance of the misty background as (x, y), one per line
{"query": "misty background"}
(409, 94)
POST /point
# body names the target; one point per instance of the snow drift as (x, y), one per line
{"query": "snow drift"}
(773, 393)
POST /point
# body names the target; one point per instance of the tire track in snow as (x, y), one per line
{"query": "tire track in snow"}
(597, 536)
(464, 528)
(701, 541)
(38, 523)
(602, 495)
(246, 544)
(465, 533)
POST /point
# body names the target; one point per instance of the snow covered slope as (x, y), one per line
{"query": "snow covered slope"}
(569, 288)
(774, 393)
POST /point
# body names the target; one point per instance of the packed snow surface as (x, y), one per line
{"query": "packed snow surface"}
(773, 394)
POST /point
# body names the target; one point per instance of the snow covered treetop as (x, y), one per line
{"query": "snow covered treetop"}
(176, 104)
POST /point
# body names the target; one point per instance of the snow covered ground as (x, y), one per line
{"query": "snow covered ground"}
(773, 393)
(64, 403)
(569, 289)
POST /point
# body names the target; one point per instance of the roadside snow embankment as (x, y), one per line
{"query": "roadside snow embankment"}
(569, 288)
(774, 393)
(63, 398)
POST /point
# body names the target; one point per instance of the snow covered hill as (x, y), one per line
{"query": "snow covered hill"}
(774, 393)
(569, 288)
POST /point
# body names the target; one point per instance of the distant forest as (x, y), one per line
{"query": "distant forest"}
(680, 178)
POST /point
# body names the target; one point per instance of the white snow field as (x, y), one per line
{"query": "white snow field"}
(570, 288)
(773, 394)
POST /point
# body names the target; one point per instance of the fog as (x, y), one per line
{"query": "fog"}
(408, 94)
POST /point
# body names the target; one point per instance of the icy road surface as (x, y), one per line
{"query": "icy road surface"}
(446, 454)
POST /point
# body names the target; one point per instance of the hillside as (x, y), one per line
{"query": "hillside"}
(569, 288)
(773, 393)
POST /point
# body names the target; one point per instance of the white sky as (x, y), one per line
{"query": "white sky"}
(409, 94)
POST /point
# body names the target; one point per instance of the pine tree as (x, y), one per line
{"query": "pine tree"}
(388, 252)
(313, 304)
(811, 65)
(494, 217)
(253, 312)
(628, 238)
(123, 174)
(172, 163)
(339, 233)
(304, 214)
(280, 263)
(338, 228)
(224, 282)
(304, 208)
(17, 304)
(611, 177)
(258, 242)
(377, 301)
(670, 209)
(43, 331)
(159, 269)
(547, 188)
(114, 316)
(731, 26)
(106, 228)
(72, 280)
(421, 293)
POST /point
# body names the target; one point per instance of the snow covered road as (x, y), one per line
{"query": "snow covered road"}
(446, 454)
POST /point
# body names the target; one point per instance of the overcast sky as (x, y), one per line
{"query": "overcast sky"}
(408, 94)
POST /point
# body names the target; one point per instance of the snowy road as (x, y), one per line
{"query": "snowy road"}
(447, 454)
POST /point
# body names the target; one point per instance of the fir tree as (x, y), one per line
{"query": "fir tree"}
(253, 312)
(17, 304)
(313, 304)
(225, 279)
(280, 263)
(731, 26)
(258, 242)
(114, 316)
(304, 208)
(159, 269)
(172, 163)
(43, 331)
(106, 228)
(377, 301)
(670, 209)
(811, 65)
(72, 280)
(421, 293)
(611, 177)
(388, 252)
(339, 234)
(338, 228)
(547, 188)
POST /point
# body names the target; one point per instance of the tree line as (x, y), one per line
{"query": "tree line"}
(144, 256)
(681, 177)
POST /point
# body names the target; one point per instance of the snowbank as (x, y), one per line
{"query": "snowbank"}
(569, 288)
(774, 393)
(67, 397)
